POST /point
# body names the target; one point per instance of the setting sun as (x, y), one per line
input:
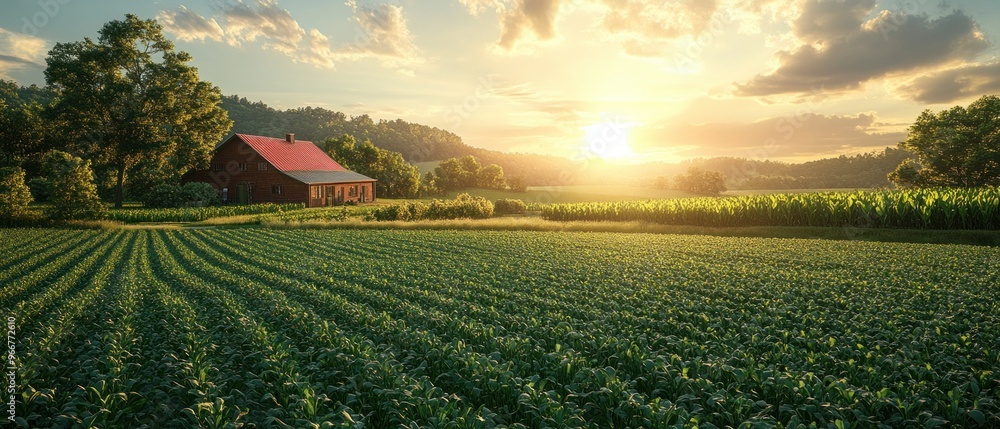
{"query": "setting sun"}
(609, 140)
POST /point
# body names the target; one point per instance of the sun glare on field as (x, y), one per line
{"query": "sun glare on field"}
(610, 140)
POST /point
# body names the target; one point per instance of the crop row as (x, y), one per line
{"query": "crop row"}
(917, 208)
(274, 328)
(196, 214)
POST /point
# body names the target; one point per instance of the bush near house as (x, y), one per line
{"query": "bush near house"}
(194, 194)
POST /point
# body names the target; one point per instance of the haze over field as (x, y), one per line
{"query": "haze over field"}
(629, 80)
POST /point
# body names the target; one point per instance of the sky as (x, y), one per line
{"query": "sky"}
(624, 80)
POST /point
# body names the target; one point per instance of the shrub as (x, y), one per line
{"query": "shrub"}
(199, 194)
(164, 196)
(509, 206)
(462, 207)
(14, 194)
(74, 195)
(195, 194)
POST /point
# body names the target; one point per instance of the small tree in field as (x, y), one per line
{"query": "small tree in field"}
(699, 181)
(517, 184)
(74, 194)
(14, 194)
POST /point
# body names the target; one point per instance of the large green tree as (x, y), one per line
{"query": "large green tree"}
(396, 177)
(956, 147)
(129, 97)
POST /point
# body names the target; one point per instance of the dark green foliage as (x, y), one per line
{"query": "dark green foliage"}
(491, 177)
(23, 130)
(955, 147)
(200, 194)
(192, 194)
(14, 195)
(41, 189)
(509, 206)
(429, 185)
(462, 207)
(466, 172)
(74, 194)
(699, 181)
(907, 175)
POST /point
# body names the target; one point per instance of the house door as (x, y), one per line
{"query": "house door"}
(242, 194)
(329, 196)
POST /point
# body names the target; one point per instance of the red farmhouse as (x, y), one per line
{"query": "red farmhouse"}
(252, 169)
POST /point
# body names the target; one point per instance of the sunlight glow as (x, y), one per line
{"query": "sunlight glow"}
(609, 140)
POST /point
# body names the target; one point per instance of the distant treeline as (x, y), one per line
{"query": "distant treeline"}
(868, 170)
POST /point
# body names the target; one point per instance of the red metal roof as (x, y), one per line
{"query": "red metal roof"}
(299, 156)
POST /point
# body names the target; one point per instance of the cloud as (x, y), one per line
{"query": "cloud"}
(822, 21)
(476, 7)
(642, 27)
(949, 85)
(543, 105)
(537, 17)
(19, 51)
(246, 22)
(382, 33)
(646, 28)
(189, 26)
(796, 136)
(841, 51)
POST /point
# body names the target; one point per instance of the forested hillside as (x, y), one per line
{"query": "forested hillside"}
(866, 170)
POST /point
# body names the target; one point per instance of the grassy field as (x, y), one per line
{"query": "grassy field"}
(482, 329)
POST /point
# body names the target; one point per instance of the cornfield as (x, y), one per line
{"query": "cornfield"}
(917, 209)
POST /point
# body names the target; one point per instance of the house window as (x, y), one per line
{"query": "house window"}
(243, 166)
(261, 166)
(218, 166)
(352, 191)
(317, 192)
(276, 189)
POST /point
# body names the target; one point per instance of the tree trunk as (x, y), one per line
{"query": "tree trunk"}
(119, 192)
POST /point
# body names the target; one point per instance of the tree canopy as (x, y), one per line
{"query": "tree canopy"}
(957, 147)
(130, 97)
(700, 181)
(466, 172)
(396, 177)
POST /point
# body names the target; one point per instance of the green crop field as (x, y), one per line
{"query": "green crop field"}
(377, 329)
